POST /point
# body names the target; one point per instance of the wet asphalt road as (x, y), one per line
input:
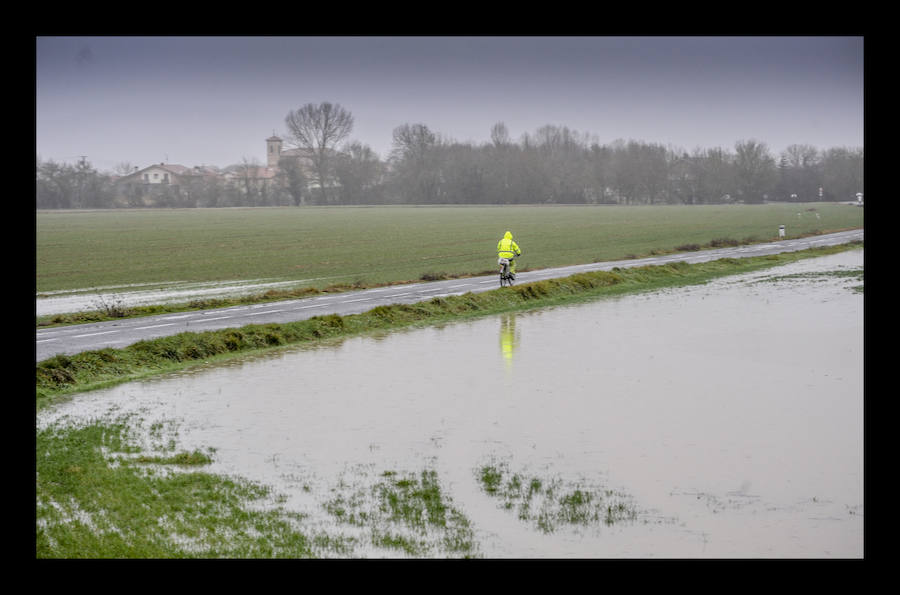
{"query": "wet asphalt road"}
(121, 333)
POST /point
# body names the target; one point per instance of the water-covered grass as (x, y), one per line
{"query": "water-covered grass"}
(407, 513)
(552, 503)
(101, 493)
(100, 496)
(857, 274)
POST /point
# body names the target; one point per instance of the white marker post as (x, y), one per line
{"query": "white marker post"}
(781, 231)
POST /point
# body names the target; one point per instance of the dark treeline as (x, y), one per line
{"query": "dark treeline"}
(552, 165)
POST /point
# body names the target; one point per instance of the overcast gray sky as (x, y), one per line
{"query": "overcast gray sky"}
(214, 100)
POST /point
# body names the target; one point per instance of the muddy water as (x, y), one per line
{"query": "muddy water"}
(731, 415)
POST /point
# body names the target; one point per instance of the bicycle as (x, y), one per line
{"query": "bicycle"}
(506, 277)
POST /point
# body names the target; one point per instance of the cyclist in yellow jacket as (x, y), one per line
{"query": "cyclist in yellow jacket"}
(507, 248)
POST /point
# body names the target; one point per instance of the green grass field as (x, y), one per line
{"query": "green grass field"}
(371, 245)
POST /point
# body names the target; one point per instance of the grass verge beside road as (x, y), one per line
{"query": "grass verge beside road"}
(62, 375)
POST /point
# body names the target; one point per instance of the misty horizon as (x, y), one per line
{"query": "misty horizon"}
(261, 161)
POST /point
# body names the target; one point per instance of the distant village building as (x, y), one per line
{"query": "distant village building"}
(163, 180)
(275, 152)
(157, 174)
(237, 174)
(168, 177)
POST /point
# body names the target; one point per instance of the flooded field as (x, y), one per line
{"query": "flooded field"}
(724, 420)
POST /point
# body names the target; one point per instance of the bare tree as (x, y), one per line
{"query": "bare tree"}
(800, 172)
(359, 171)
(499, 134)
(124, 168)
(755, 169)
(250, 180)
(414, 160)
(319, 129)
(499, 158)
(800, 156)
(293, 180)
(55, 185)
(412, 142)
(843, 170)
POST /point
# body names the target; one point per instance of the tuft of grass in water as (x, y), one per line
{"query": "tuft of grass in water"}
(491, 480)
(549, 504)
(407, 512)
(195, 458)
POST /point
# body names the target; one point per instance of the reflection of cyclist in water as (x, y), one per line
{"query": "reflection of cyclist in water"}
(507, 248)
(509, 340)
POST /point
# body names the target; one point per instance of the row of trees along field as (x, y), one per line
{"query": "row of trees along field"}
(552, 165)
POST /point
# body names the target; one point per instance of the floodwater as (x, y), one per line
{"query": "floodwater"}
(730, 414)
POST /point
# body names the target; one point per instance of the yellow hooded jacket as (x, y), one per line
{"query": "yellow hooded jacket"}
(507, 248)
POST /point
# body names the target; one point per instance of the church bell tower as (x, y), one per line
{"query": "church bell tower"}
(273, 151)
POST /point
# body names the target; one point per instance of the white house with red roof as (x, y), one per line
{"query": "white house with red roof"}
(164, 174)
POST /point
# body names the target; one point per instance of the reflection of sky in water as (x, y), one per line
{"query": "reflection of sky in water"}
(734, 408)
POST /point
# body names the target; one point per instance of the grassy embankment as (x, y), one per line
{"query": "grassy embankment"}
(335, 249)
(63, 375)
